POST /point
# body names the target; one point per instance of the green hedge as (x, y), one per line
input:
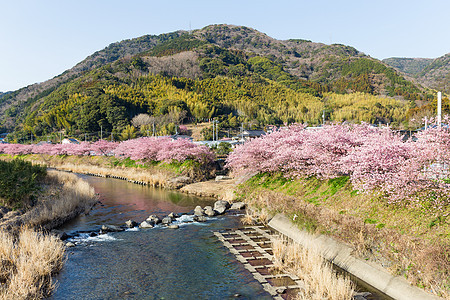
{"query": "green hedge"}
(19, 182)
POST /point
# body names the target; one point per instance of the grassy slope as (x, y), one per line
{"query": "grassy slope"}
(414, 243)
(30, 258)
(152, 173)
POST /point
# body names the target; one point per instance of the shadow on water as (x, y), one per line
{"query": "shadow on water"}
(159, 263)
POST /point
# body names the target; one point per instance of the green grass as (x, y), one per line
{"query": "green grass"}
(366, 221)
(335, 184)
(337, 194)
(303, 221)
(19, 182)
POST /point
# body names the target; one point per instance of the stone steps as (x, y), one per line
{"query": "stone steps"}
(252, 247)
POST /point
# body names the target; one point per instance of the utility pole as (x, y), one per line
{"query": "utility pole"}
(242, 131)
(213, 131)
(323, 117)
(154, 133)
(112, 137)
(217, 130)
(101, 132)
(439, 108)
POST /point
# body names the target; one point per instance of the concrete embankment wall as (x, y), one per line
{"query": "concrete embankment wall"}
(340, 254)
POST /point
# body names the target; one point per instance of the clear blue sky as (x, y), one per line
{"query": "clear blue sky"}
(41, 39)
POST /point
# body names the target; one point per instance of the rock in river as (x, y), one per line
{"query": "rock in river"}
(173, 215)
(238, 205)
(209, 211)
(131, 223)
(167, 220)
(221, 206)
(153, 219)
(145, 224)
(111, 228)
(200, 218)
(198, 211)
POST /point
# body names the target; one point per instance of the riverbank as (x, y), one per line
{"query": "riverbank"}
(62, 197)
(157, 174)
(408, 242)
(29, 255)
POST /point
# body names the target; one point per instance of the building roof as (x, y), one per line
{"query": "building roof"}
(181, 136)
(70, 141)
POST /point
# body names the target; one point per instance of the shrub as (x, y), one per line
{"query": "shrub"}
(19, 182)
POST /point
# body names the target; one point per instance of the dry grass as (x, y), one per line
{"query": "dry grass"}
(100, 166)
(29, 258)
(63, 197)
(248, 218)
(321, 281)
(400, 239)
(27, 264)
(151, 178)
(253, 216)
(66, 195)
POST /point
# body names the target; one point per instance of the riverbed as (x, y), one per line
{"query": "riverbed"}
(156, 263)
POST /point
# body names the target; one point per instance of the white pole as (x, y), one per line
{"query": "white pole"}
(439, 108)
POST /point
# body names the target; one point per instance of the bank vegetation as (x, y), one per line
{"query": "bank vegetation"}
(387, 198)
(34, 201)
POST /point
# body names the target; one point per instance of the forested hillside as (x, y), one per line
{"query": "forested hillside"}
(437, 74)
(411, 66)
(234, 74)
(433, 73)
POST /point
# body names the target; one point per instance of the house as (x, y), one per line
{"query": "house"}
(181, 136)
(3, 138)
(444, 126)
(70, 141)
(251, 134)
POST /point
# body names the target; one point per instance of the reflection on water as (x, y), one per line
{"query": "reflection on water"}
(159, 263)
(122, 201)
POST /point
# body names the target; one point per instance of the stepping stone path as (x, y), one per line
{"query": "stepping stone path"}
(252, 247)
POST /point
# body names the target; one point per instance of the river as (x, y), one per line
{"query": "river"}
(157, 263)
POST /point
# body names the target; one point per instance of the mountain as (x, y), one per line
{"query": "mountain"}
(432, 73)
(437, 74)
(411, 66)
(233, 73)
(110, 54)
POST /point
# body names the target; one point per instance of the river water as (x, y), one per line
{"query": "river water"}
(157, 263)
